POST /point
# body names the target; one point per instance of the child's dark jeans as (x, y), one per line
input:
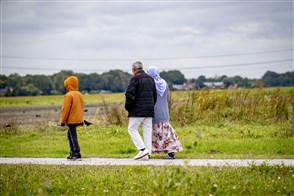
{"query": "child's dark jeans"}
(73, 140)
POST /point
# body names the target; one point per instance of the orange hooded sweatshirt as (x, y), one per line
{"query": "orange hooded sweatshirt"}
(72, 111)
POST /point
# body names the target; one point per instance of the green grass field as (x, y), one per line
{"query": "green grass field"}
(114, 97)
(199, 141)
(245, 124)
(58, 100)
(145, 180)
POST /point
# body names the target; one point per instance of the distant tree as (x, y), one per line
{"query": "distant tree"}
(200, 81)
(222, 77)
(43, 83)
(271, 78)
(34, 83)
(58, 79)
(31, 89)
(88, 83)
(236, 80)
(288, 79)
(3, 81)
(228, 82)
(14, 82)
(173, 77)
(95, 82)
(246, 83)
(84, 84)
(28, 87)
(115, 80)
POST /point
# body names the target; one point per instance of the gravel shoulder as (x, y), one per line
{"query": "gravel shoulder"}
(35, 114)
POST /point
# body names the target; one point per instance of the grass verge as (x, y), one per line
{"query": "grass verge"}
(222, 140)
(145, 180)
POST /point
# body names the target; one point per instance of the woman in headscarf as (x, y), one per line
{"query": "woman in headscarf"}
(164, 137)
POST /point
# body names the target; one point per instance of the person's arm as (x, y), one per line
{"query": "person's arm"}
(154, 93)
(67, 102)
(168, 95)
(130, 94)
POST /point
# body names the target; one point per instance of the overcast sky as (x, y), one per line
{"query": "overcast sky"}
(210, 38)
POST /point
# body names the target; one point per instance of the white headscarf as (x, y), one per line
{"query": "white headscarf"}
(159, 82)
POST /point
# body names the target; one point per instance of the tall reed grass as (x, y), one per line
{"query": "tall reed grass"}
(210, 106)
(112, 114)
(213, 106)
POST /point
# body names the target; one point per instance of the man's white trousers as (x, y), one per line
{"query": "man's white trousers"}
(146, 122)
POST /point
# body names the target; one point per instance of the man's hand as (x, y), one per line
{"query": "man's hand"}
(62, 124)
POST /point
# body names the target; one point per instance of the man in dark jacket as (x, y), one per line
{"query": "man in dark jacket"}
(140, 100)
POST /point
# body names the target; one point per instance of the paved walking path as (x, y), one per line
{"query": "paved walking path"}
(157, 162)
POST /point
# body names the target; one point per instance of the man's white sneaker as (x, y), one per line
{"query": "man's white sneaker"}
(145, 158)
(141, 154)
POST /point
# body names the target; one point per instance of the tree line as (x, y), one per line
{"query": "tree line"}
(117, 81)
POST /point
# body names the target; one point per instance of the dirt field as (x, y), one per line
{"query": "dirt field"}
(30, 115)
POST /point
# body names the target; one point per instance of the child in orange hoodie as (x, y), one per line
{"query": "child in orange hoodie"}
(72, 115)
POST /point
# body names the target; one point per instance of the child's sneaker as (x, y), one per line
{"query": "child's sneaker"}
(70, 156)
(76, 157)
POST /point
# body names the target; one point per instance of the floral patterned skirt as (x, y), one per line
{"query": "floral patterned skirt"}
(165, 139)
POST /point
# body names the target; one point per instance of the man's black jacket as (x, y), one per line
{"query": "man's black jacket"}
(141, 95)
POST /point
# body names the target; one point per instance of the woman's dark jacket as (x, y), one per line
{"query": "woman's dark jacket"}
(141, 95)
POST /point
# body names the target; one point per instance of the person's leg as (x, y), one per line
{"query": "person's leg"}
(133, 126)
(70, 144)
(147, 133)
(74, 141)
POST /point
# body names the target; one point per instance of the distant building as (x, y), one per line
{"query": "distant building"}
(6, 90)
(178, 87)
(185, 86)
(3, 91)
(105, 92)
(214, 85)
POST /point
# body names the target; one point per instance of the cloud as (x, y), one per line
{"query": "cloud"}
(144, 30)
(246, 28)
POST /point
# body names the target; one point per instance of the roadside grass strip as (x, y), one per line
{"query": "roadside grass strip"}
(28, 179)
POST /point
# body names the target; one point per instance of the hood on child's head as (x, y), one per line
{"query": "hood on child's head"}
(71, 83)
